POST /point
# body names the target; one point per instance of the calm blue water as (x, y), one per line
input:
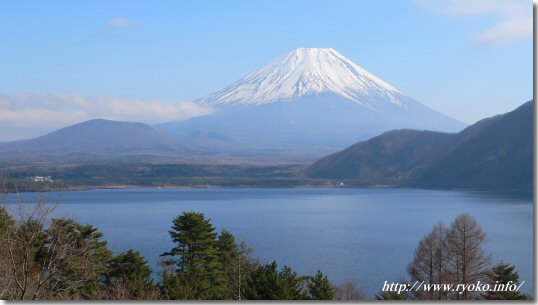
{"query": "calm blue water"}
(365, 235)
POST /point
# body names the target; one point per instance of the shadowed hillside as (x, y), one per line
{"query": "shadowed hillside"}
(495, 152)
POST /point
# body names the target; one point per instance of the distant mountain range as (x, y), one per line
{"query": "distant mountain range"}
(298, 108)
(308, 103)
(95, 137)
(496, 152)
(302, 106)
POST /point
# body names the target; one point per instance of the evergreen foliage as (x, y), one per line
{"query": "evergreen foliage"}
(319, 287)
(504, 274)
(266, 283)
(129, 270)
(236, 264)
(198, 274)
(82, 264)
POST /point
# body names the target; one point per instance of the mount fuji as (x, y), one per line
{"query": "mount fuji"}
(305, 104)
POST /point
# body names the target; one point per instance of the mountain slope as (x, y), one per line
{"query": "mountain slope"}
(495, 152)
(390, 158)
(310, 124)
(97, 136)
(309, 102)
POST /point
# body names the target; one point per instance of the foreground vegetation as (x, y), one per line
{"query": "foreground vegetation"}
(454, 255)
(58, 258)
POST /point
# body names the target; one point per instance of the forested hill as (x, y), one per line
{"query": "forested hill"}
(496, 152)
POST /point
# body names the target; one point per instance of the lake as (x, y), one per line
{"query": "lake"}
(365, 235)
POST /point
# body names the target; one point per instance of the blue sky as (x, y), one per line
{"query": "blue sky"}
(66, 61)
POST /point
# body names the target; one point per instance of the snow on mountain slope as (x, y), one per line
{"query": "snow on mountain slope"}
(307, 71)
(307, 103)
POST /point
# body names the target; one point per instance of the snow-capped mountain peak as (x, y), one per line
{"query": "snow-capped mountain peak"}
(307, 71)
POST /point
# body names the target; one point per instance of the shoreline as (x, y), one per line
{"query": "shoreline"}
(309, 186)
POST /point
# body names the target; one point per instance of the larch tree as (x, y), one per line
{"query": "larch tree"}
(466, 259)
(430, 263)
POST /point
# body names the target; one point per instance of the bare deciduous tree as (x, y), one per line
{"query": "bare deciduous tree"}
(348, 291)
(430, 262)
(45, 258)
(21, 242)
(450, 256)
(467, 260)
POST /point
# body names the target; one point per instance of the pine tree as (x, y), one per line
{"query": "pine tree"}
(291, 286)
(263, 283)
(266, 283)
(198, 271)
(504, 274)
(236, 264)
(228, 255)
(319, 287)
(82, 266)
(226, 248)
(130, 275)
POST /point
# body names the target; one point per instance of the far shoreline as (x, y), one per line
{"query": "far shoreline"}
(306, 186)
